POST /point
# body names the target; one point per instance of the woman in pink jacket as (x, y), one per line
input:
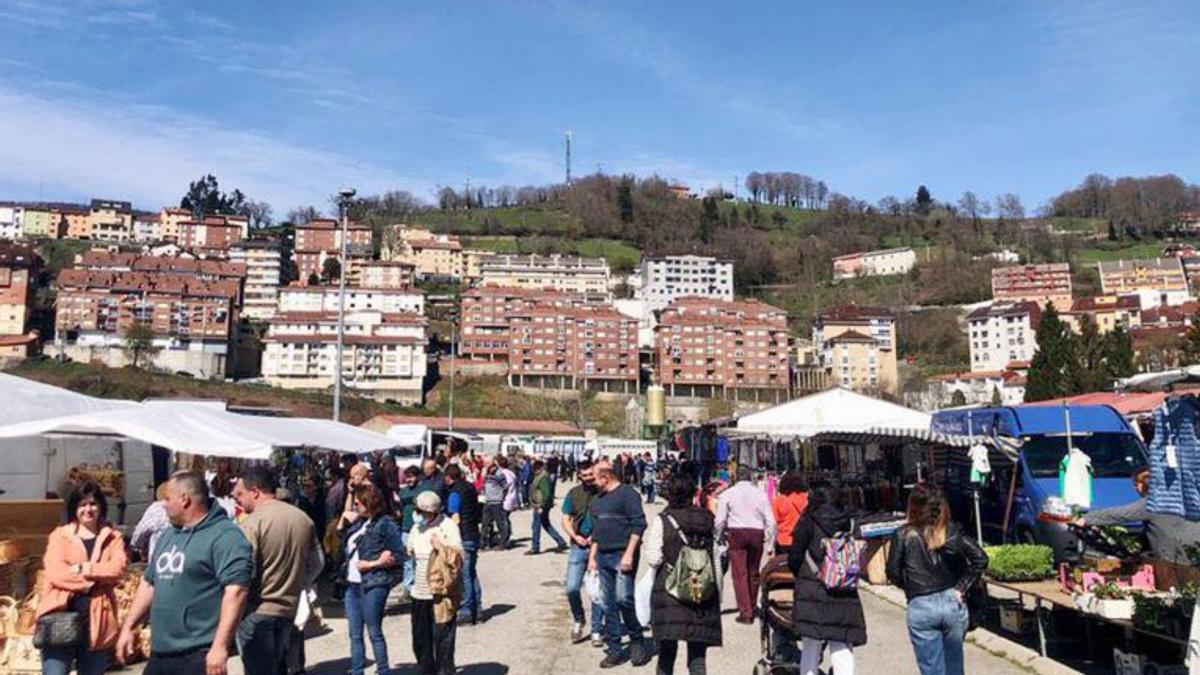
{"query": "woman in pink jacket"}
(85, 561)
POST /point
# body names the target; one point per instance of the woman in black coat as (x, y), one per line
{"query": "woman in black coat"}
(819, 614)
(673, 621)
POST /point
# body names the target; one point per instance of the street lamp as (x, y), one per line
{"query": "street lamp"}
(345, 195)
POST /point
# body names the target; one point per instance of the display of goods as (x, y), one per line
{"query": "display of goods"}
(15, 576)
(1020, 562)
(126, 591)
(8, 616)
(9, 551)
(1165, 613)
(111, 481)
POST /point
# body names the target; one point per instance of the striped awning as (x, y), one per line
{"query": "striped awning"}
(1008, 447)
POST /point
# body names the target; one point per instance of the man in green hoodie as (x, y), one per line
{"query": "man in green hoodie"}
(194, 588)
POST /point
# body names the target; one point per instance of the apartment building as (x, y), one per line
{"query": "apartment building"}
(1160, 281)
(319, 240)
(263, 267)
(213, 233)
(874, 263)
(110, 220)
(192, 319)
(39, 222)
(78, 222)
(731, 349)
(588, 277)
(485, 316)
(1043, 284)
(591, 348)
(385, 274)
(10, 222)
(666, 279)
(983, 387)
(856, 345)
(170, 219)
(1002, 333)
(201, 268)
(302, 298)
(1106, 312)
(147, 227)
(18, 265)
(383, 358)
(433, 256)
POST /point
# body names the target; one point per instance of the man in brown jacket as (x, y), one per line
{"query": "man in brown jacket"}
(285, 553)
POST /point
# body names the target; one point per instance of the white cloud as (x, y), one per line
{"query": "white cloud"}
(148, 154)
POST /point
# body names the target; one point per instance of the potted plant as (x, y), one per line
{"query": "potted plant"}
(1111, 601)
(1020, 562)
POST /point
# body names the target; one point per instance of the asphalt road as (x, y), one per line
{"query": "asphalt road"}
(528, 624)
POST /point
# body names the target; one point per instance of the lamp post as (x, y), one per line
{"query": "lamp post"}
(344, 197)
(453, 318)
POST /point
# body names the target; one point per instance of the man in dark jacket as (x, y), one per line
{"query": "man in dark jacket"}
(618, 522)
(462, 505)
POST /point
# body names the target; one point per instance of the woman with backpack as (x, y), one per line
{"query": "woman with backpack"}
(935, 564)
(820, 613)
(686, 601)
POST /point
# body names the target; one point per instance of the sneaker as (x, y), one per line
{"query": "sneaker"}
(597, 640)
(612, 660)
(578, 633)
(638, 654)
(465, 618)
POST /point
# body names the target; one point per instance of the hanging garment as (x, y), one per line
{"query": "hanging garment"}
(1175, 489)
(1075, 479)
(722, 450)
(980, 467)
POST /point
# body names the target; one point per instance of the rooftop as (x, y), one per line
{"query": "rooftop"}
(1006, 309)
(863, 254)
(484, 425)
(856, 313)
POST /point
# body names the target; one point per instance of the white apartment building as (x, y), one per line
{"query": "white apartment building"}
(588, 277)
(668, 278)
(325, 299)
(383, 358)
(10, 223)
(147, 228)
(262, 260)
(1002, 333)
(874, 263)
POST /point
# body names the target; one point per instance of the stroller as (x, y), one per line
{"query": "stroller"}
(780, 654)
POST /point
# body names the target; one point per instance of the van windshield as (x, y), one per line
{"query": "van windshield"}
(1113, 455)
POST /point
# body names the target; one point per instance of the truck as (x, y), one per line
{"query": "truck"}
(1115, 449)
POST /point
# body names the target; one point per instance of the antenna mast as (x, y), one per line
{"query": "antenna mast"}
(568, 158)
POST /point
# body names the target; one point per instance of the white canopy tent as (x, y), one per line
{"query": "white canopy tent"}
(833, 411)
(29, 400)
(205, 429)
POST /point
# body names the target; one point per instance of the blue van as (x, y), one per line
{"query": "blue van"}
(1099, 431)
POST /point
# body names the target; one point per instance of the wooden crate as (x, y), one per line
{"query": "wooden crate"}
(876, 555)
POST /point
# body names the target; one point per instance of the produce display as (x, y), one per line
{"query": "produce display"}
(1020, 562)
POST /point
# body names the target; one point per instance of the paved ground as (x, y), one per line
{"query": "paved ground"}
(528, 624)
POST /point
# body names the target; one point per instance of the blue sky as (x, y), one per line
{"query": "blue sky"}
(133, 98)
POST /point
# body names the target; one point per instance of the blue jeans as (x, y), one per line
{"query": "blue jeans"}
(410, 567)
(619, 605)
(472, 597)
(937, 624)
(365, 609)
(648, 491)
(58, 661)
(576, 569)
(263, 641)
(541, 520)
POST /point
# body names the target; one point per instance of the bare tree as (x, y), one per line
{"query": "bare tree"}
(303, 215)
(969, 204)
(1009, 207)
(259, 213)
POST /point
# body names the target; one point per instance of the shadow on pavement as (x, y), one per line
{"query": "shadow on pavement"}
(495, 611)
(338, 667)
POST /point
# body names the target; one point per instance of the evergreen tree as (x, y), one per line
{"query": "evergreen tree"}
(924, 200)
(1053, 366)
(996, 398)
(331, 270)
(958, 399)
(1118, 353)
(625, 200)
(1191, 345)
(710, 217)
(1091, 370)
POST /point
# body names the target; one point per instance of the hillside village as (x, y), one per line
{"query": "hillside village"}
(597, 291)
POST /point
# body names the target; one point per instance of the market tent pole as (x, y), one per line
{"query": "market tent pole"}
(1012, 492)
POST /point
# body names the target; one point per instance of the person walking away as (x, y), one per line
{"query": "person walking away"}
(788, 507)
(432, 478)
(433, 641)
(745, 522)
(935, 564)
(373, 551)
(577, 523)
(464, 509)
(511, 501)
(686, 600)
(201, 569)
(84, 562)
(495, 532)
(406, 499)
(618, 522)
(820, 614)
(286, 560)
(152, 524)
(525, 479)
(649, 478)
(541, 498)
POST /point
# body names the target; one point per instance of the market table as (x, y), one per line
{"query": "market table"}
(1048, 594)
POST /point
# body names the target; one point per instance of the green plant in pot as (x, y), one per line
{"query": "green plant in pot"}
(1020, 562)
